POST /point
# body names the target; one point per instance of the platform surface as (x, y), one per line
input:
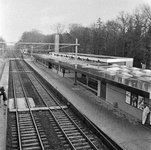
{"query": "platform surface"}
(129, 135)
(3, 113)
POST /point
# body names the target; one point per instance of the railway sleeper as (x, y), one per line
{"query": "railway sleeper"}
(45, 142)
(14, 146)
(29, 140)
(75, 137)
(65, 123)
(71, 128)
(24, 118)
(26, 123)
(73, 134)
(14, 133)
(81, 144)
(27, 127)
(40, 130)
(13, 128)
(62, 118)
(29, 131)
(32, 148)
(60, 135)
(28, 134)
(64, 141)
(85, 147)
(14, 138)
(59, 115)
(68, 127)
(71, 131)
(57, 129)
(15, 142)
(79, 140)
(43, 136)
(32, 144)
(44, 139)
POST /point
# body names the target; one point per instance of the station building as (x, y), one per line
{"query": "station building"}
(113, 79)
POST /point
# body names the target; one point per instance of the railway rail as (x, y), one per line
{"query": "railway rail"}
(49, 123)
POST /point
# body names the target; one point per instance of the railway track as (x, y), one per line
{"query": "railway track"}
(77, 135)
(31, 127)
(29, 134)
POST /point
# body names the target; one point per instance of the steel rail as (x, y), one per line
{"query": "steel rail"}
(53, 115)
(26, 98)
(108, 141)
(17, 117)
(88, 140)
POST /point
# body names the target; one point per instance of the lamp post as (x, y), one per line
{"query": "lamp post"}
(150, 55)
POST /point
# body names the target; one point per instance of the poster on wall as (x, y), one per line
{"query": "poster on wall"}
(128, 97)
(134, 100)
(141, 101)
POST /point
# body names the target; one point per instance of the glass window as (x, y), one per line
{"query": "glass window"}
(135, 100)
(128, 97)
(141, 101)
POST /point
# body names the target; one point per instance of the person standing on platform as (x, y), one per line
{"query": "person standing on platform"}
(63, 71)
(145, 113)
(3, 93)
(150, 114)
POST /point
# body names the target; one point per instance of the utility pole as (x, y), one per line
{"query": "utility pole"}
(76, 51)
(150, 54)
(31, 50)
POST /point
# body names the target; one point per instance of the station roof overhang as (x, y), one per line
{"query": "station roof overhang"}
(92, 73)
(99, 58)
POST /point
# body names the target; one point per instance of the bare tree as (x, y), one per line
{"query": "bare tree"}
(58, 28)
(147, 11)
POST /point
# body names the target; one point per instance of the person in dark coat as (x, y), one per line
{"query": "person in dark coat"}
(3, 93)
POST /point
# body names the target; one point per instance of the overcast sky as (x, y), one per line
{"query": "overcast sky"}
(18, 16)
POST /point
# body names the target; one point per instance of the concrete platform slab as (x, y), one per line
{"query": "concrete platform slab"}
(3, 109)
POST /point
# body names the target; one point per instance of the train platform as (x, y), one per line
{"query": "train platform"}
(4, 71)
(129, 135)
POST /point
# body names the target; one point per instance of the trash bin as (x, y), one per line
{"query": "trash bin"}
(115, 104)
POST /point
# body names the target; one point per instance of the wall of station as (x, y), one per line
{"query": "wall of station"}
(117, 96)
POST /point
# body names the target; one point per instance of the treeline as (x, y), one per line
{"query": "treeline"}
(129, 35)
